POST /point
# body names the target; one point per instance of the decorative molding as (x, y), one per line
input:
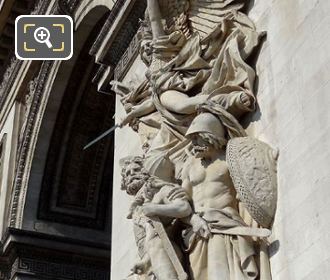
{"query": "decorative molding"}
(123, 44)
(106, 27)
(61, 7)
(127, 58)
(41, 7)
(24, 151)
(9, 78)
(33, 121)
(52, 264)
(11, 72)
(53, 270)
(123, 39)
(44, 256)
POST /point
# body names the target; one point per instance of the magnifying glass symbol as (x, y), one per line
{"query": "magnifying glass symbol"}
(42, 35)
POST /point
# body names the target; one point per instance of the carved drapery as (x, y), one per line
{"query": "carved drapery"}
(197, 88)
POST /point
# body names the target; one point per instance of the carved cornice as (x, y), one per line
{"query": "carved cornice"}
(106, 27)
(127, 58)
(53, 270)
(122, 40)
(61, 7)
(119, 49)
(52, 257)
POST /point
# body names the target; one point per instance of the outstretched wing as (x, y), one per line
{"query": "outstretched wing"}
(201, 16)
(252, 166)
(205, 15)
(172, 10)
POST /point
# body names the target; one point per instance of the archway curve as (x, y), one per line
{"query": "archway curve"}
(86, 6)
(89, 15)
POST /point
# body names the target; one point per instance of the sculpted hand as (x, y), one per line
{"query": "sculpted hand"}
(245, 99)
(140, 268)
(200, 226)
(149, 209)
(126, 120)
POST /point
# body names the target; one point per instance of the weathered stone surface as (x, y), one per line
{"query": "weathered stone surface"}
(197, 86)
(293, 70)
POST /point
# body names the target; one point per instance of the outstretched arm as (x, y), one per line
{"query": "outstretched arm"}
(143, 109)
(236, 102)
(176, 209)
(168, 202)
(180, 103)
(155, 19)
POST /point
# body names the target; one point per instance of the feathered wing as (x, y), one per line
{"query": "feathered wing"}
(172, 10)
(205, 15)
(201, 16)
(227, 38)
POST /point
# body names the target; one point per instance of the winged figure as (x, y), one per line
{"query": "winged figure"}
(195, 51)
(198, 84)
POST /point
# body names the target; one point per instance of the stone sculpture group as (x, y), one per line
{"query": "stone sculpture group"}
(203, 193)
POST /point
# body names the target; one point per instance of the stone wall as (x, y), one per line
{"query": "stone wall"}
(127, 143)
(294, 73)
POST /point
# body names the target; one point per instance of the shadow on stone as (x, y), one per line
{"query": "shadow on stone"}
(249, 6)
(273, 248)
(252, 61)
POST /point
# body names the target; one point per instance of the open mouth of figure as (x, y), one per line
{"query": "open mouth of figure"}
(199, 149)
(134, 187)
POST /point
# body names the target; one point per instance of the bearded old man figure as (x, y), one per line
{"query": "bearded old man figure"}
(154, 198)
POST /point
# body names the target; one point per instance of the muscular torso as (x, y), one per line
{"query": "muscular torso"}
(210, 184)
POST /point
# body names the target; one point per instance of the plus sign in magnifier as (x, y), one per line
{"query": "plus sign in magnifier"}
(42, 35)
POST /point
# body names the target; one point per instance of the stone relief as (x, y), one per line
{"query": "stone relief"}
(204, 192)
(156, 206)
(27, 102)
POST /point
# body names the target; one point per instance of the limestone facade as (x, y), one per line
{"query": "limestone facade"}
(42, 236)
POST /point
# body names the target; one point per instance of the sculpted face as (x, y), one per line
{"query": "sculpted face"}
(133, 177)
(201, 147)
(134, 185)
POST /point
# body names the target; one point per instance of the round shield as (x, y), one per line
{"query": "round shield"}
(252, 165)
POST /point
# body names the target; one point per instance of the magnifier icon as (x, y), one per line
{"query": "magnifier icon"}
(42, 35)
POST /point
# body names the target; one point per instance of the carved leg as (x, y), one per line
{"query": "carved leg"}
(161, 264)
(217, 257)
(198, 260)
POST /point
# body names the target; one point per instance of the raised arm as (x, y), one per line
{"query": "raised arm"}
(155, 19)
(143, 109)
(180, 103)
